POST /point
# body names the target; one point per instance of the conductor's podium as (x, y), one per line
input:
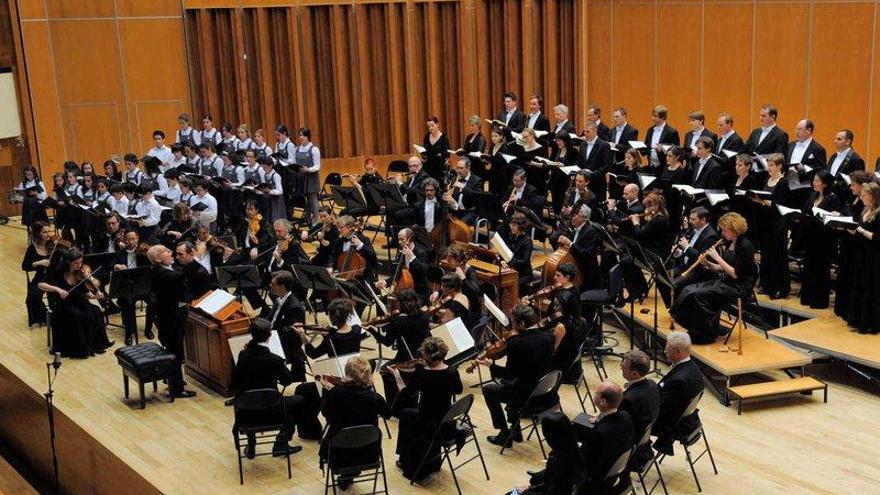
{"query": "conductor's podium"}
(211, 321)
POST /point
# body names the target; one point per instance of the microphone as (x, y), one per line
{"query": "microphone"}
(56, 362)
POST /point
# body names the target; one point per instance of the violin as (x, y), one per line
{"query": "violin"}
(411, 365)
(336, 381)
(83, 277)
(495, 350)
(545, 292)
(254, 228)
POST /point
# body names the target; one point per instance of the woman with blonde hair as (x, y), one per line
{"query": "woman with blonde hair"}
(861, 290)
(698, 307)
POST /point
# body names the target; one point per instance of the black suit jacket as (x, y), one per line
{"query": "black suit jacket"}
(733, 143)
(629, 133)
(642, 401)
(775, 142)
(170, 291)
(542, 123)
(598, 162)
(258, 368)
(603, 131)
(521, 247)
(197, 279)
(689, 135)
(366, 251)
(707, 238)
(567, 128)
(711, 175)
(473, 184)
(530, 198)
(677, 389)
(439, 211)
(604, 443)
(516, 123)
(815, 156)
(529, 355)
(413, 192)
(586, 250)
(668, 136)
(850, 164)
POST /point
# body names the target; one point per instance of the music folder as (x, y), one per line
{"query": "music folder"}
(237, 343)
(456, 336)
(330, 366)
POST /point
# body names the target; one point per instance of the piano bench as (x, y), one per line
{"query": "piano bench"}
(144, 363)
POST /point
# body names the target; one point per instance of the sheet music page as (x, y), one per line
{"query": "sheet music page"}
(638, 145)
(354, 319)
(237, 343)
(217, 300)
(455, 335)
(728, 153)
(500, 247)
(715, 198)
(495, 311)
(420, 149)
(570, 169)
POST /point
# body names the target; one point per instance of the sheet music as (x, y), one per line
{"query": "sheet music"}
(455, 335)
(330, 366)
(500, 247)
(354, 319)
(217, 300)
(728, 153)
(692, 191)
(508, 158)
(237, 343)
(819, 212)
(495, 311)
(571, 169)
(646, 180)
(784, 210)
(846, 178)
(420, 149)
(715, 198)
(637, 145)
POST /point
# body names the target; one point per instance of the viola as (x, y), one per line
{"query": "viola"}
(254, 227)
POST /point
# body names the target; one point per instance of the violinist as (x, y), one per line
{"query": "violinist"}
(457, 193)
(520, 244)
(454, 302)
(78, 329)
(171, 302)
(325, 233)
(569, 329)
(579, 194)
(698, 306)
(407, 330)
(411, 258)
(426, 394)
(255, 233)
(350, 242)
(342, 338)
(181, 227)
(204, 244)
(112, 240)
(455, 262)
(529, 354)
(36, 260)
(370, 176)
(285, 312)
(132, 256)
(288, 251)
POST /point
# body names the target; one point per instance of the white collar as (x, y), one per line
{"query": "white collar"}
(805, 142)
(768, 128)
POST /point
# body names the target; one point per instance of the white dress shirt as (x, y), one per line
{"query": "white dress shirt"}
(800, 147)
(316, 157)
(838, 161)
(724, 139)
(765, 131)
(533, 119)
(430, 210)
(163, 153)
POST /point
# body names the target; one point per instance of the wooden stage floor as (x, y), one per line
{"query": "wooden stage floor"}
(791, 445)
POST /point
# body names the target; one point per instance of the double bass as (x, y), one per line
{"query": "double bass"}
(558, 257)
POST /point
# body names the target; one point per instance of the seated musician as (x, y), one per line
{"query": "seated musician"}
(411, 191)
(585, 245)
(619, 212)
(429, 212)
(132, 256)
(425, 394)
(698, 306)
(257, 368)
(570, 329)
(370, 176)
(529, 354)
(285, 312)
(520, 245)
(288, 251)
(351, 401)
(405, 331)
(455, 261)
(255, 234)
(351, 241)
(197, 279)
(340, 339)
(579, 194)
(654, 236)
(112, 239)
(699, 238)
(181, 227)
(454, 302)
(457, 197)
(412, 256)
(523, 194)
(324, 234)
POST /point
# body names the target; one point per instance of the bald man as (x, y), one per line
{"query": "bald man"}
(804, 150)
(609, 437)
(679, 386)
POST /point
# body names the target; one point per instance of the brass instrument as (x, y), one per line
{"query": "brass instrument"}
(700, 259)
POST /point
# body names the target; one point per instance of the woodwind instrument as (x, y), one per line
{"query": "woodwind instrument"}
(700, 259)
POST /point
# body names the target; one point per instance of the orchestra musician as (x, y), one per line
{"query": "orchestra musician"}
(133, 255)
(411, 190)
(698, 239)
(520, 244)
(255, 234)
(36, 259)
(585, 245)
(351, 241)
(285, 312)
(521, 193)
(78, 329)
(529, 354)
(370, 176)
(698, 306)
(570, 330)
(455, 262)
(456, 196)
(579, 194)
(429, 212)
(620, 211)
(411, 257)
(288, 251)
(181, 227)
(426, 394)
(677, 172)
(325, 233)
(454, 302)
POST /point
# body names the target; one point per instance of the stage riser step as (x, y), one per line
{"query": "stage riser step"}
(753, 391)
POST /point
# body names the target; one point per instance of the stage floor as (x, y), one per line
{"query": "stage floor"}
(795, 444)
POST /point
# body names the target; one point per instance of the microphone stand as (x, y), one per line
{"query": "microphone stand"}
(50, 410)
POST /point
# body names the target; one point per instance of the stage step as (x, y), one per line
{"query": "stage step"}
(774, 388)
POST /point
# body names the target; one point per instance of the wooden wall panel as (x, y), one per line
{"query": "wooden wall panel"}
(780, 62)
(31, 9)
(873, 145)
(600, 43)
(679, 61)
(91, 142)
(634, 71)
(727, 62)
(840, 65)
(80, 8)
(153, 8)
(44, 101)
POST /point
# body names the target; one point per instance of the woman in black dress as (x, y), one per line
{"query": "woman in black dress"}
(818, 243)
(651, 229)
(698, 306)
(852, 208)
(33, 192)
(559, 180)
(474, 142)
(352, 401)
(436, 145)
(862, 310)
(78, 329)
(36, 260)
(433, 387)
(457, 304)
(676, 172)
(406, 331)
(527, 155)
(570, 330)
(775, 278)
(498, 169)
(324, 234)
(340, 340)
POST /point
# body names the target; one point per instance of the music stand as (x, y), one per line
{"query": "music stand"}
(488, 208)
(354, 289)
(387, 195)
(313, 279)
(133, 284)
(646, 260)
(241, 276)
(348, 196)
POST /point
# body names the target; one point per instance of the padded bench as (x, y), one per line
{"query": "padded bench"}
(147, 362)
(771, 389)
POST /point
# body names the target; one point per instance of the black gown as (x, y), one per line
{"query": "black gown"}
(435, 155)
(698, 306)
(36, 310)
(498, 171)
(818, 252)
(560, 181)
(772, 233)
(674, 200)
(568, 302)
(406, 333)
(862, 311)
(434, 389)
(536, 176)
(78, 329)
(847, 246)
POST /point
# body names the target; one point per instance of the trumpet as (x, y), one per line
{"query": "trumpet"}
(700, 259)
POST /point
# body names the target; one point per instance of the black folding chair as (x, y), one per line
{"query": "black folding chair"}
(332, 179)
(599, 300)
(398, 166)
(259, 415)
(456, 419)
(582, 378)
(614, 473)
(644, 468)
(690, 438)
(536, 407)
(355, 456)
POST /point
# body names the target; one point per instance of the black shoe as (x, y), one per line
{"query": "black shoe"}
(183, 394)
(345, 483)
(128, 340)
(501, 436)
(280, 449)
(149, 335)
(250, 450)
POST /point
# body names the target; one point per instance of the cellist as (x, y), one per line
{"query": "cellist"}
(410, 266)
(584, 243)
(352, 251)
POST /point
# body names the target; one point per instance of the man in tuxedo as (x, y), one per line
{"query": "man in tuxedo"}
(622, 133)
(429, 210)
(699, 238)
(596, 157)
(728, 140)
(197, 279)
(594, 115)
(562, 125)
(414, 257)
(697, 122)
(681, 384)
(126, 259)
(657, 134)
(521, 193)
(536, 119)
(529, 354)
(457, 197)
(620, 211)
(411, 191)
(610, 436)
(768, 138)
(511, 117)
(285, 312)
(707, 171)
(804, 150)
(257, 368)
(641, 400)
(351, 240)
(579, 194)
(844, 161)
(585, 245)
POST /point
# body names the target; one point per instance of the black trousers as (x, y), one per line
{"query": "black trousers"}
(698, 308)
(497, 394)
(170, 322)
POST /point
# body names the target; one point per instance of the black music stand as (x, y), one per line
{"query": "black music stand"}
(348, 196)
(133, 284)
(387, 195)
(643, 260)
(354, 289)
(239, 276)
(316, 279)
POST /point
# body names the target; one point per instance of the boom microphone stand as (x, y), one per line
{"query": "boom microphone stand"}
(49, 395)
